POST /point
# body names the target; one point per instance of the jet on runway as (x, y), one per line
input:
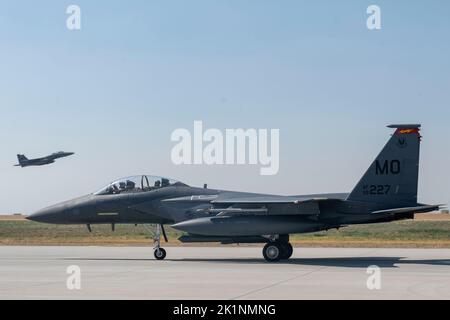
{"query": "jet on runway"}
(386, 192)
(25, 162)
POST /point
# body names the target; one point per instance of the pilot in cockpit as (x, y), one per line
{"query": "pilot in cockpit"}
(130, 185)
(136, 184)
(165, 182)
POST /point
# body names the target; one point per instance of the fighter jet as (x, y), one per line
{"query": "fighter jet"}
(386, 192)
(25, 162)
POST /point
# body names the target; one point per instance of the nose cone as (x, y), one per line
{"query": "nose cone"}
(66, 212)
(53, 214)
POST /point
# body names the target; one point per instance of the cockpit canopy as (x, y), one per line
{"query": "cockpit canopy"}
(138, 184)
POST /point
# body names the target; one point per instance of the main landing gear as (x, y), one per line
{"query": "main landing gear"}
(159, 252)
(277, 250)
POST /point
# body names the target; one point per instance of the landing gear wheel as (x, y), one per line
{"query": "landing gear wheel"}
(287, 250)
(272, 252)
(159, 254)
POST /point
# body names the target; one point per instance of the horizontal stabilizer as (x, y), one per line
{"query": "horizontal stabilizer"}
(419, 209)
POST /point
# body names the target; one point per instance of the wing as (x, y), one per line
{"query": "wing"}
(271, 200)
(418, 209)
(240, 205)
(192, 199)
(268, 205)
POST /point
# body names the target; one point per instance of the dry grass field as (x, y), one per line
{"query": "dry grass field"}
(12, 217)
(426, 231)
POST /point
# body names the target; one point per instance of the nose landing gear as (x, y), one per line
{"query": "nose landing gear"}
(159, 253)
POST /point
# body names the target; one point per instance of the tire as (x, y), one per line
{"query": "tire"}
(160, 254)
(287, 250)
(272, 252)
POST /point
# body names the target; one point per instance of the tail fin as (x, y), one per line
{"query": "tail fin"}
(392, 179)
(21, 158)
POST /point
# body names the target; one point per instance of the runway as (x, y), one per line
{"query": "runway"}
(222, 273)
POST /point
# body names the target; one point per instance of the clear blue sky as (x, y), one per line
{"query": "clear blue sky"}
(114, 91)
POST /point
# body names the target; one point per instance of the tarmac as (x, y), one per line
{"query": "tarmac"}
(223, 273)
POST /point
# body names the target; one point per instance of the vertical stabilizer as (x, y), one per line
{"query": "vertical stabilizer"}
(392, 179)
